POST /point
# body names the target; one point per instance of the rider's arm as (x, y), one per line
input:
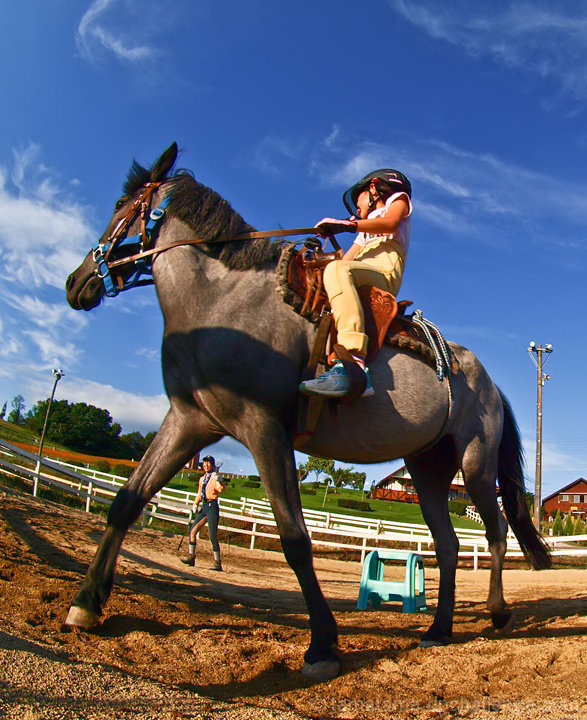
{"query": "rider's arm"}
(219, 484)
(386, 224)
(198, 498)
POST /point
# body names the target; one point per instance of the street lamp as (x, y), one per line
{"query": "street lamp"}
(542, 354)
(58, 373)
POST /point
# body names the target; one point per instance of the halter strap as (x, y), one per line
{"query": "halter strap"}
(142, 273)
(253, 235)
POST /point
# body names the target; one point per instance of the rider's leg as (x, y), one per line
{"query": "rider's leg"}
(213, 515)
(341, 280)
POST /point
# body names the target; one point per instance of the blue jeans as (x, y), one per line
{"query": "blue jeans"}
(211, 512)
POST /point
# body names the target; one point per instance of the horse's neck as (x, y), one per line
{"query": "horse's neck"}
(196, 290)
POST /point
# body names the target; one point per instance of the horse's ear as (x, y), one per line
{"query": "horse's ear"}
(164, 164)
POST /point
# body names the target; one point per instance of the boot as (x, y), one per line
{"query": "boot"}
(217, 564)
(191, 558)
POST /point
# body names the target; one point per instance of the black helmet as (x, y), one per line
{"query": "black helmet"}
(210, 459)
(388, 181)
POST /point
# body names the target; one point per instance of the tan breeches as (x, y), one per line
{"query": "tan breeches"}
(341, 280)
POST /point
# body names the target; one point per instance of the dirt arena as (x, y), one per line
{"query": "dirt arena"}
(182, 643)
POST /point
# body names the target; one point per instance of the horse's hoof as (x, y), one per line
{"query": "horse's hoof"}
(78, 617)
(431, 643)
(503, 621)
(322, 671)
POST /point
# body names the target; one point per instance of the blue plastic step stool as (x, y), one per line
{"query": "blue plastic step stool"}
(375, 589)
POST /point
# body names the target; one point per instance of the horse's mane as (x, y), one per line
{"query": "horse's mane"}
(210, 217)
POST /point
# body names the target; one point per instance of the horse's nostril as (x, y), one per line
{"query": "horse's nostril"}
(69, 282)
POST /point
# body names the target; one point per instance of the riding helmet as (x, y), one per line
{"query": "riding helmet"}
(210, 459)
(389, 182)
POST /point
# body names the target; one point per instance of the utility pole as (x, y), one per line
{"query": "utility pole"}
(542, 355)
(58, 373)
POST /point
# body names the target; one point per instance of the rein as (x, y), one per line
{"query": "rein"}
(142, 273)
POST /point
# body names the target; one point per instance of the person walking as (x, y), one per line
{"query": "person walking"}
(209, 489)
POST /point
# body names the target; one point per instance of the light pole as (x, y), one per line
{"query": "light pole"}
(542, 355)
(58, 373)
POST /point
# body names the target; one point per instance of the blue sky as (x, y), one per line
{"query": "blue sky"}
(279, 107)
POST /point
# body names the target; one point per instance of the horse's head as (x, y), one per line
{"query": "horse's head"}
(104, 270)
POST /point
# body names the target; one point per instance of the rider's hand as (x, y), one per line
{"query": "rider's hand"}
(330, 226)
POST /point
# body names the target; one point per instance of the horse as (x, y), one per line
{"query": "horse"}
(233, 354)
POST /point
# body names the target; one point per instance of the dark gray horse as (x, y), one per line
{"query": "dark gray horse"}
(233, 354)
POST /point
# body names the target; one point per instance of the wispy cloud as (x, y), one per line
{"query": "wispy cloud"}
(54, 350)
(273, 154)
(131, 410)
(542, 38)
(43, 233)
(47, 315)
(470, 194)
(100, 31)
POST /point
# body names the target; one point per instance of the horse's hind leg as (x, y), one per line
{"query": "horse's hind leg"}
(480, 472)
(182, 434)
(432, 473)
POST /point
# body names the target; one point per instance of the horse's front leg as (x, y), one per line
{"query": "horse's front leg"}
(273, 454)
(184, 432)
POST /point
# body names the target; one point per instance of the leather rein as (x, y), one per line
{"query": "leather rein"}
(143, 259)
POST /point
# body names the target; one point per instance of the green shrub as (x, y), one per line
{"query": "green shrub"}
(569, 525)
(307, 490)
(103, 466)
(122, 470)
(251, 484)
(458, 507)
(557, 527)
(579, 527)
(254, 478)
(362, 505)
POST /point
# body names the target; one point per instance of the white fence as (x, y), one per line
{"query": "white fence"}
(254, 518)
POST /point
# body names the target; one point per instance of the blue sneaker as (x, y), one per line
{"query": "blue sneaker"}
(334, 383)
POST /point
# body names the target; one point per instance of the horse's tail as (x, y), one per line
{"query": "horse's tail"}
(510, 478)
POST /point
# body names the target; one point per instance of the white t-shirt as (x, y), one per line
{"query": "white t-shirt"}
(401, 236)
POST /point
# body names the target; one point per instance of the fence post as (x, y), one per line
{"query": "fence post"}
(475, 557)
(363, 551)
(89, 497)
(254, 529)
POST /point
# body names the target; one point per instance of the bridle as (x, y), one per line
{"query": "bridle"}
(142, 259)
(118, 238)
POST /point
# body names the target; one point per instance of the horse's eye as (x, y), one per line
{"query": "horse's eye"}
(120, 203)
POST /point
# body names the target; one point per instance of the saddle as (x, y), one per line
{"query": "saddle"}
(300, 281)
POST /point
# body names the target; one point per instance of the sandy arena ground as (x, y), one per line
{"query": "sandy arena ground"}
(191, 643)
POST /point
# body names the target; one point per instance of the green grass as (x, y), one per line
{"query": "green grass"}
(16, 433)
(187, 481)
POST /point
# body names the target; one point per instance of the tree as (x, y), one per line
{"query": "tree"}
(347, 476)
(16, 415)
(318, 466)
(557, 527)
(78, 426)
(530, 502)
(135, 443)
(3, 412)
(579, 527)
(569, 525)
